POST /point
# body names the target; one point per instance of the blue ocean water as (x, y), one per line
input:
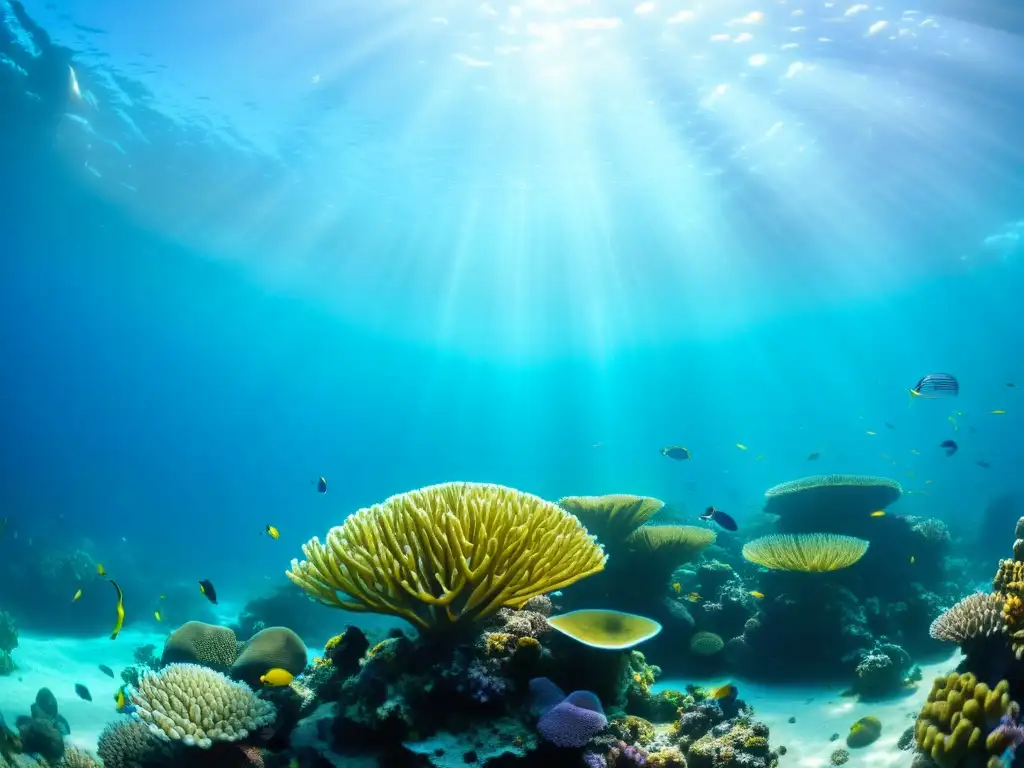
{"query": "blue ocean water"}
(246, 245)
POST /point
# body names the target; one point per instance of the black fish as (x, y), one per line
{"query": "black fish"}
(983, 464)
(321, 485)
(106, 670)
(936, 384)
(1011, 385)
(890, 426)
(718, 516)
(676, 452)
(207, 589)
(949, 446)
(83, 692)
(814, 456)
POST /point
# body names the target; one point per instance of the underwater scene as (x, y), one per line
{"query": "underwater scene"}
(496, 383)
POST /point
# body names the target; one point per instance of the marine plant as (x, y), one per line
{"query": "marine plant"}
(805, 552)
(448, 555)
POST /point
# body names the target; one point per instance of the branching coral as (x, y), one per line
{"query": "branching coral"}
(976, 616)
(613, 517)
(808, 552)
(198, 706)
(448, 554)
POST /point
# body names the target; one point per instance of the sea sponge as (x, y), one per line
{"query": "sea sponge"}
(198, 706)
(613, 517)
(270, 648)
(196, 642)
(956, 717)
(807, 552)
(612, 630)
(448, 554)
(838, 496)
(976, 616)
(706, 643)
(129, 744)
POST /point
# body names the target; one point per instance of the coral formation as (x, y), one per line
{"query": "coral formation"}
(270, 648)
(197, 705)
(807, 552)
(864, 732)
(611, 518)
(612, 630)
(198, 643)
(976, 617)
(848, 499)
(448, 554)
(706, 643)
(130, 744)
(573, 720)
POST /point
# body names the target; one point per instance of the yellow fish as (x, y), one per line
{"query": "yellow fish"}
(693, 597)
(724, 692)
(912, 560)
(156, 615)
(758, 595)
(878, 513)
(677, 587)
(273, 533)
(120, 611)
(742, 447)
(78, 594)
(997, 412)
(100, 569)
(277, 677)
(119, 699)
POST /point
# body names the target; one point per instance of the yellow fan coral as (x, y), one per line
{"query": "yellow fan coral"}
(809, 552)
(448, 554)
(660, 549)
(613, 517)
(613, 630)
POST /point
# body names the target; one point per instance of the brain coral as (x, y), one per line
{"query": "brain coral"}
(198, 706)
(129, 744)
(270, 648)
(976, 616)
(448, 554)
(706, 643)
(198, 643)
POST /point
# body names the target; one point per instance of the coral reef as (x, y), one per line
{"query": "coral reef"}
(805, 552)
(270, 648)
(611, 518)
(849, 499)
(448, 555)
(198, 643)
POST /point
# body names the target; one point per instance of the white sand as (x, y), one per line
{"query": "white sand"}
(59, 663)
(821, 711)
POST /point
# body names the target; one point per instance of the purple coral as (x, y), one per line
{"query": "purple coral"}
(481, 685)
(1010, 730)
(570, 722)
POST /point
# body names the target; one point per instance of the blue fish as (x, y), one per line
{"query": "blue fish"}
(718, 516)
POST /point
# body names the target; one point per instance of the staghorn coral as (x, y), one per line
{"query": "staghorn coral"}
(448, 554)
(197, 706)
(273, 647)
(959, 719)
(611, 518)
(196, 642)
(706, 644)
(975, 617)
(807, 552)
(77, 758)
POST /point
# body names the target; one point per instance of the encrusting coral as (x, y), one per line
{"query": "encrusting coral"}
(448, 554)
(805, 552)
(198, 706)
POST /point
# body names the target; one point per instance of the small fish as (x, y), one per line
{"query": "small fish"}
(915, 451)
(720, 517)
(726, 692)
(273, 533)
(813, 456)
(321, 485)
(676, 452)
(983, 464)
(870, 432)
(78, 594)
(100, 569)
(277, 677)
(878, 513)
(207, 589)
(120, 611)
(83, 692)
(157, 616)
(760, 457)
(742, 447)
(121, 703)
(693, 597)
(677, 587)
(890, 426)
(949, 446)
(912, 560)
(1011, 385)
(998, 412)
(935, 385)
(758, 595)
(106, 670)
